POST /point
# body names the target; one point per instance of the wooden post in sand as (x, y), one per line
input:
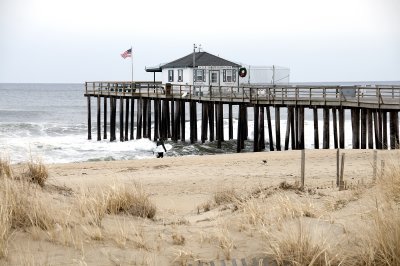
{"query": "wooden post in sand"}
(303, 167)
(341, 128)
(341, 182)
(337, 167)
(370, 127)
(375, 165)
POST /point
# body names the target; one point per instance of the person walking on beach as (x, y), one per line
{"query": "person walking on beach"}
(160, 149)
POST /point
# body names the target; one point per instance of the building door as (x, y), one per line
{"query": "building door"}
(214, 77)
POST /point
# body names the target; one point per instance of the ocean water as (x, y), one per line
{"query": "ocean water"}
(49, 121)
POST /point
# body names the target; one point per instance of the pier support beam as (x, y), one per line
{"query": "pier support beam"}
(270, 136)
(316, 136)
(378, 143)
(335, 128)
(341, 128)
(363, 129)
(256, 111)
(132, 117)
(89, 118)
(105, 117)
(113, 118)
(121, 119)
(126, 119)
(261, 139)
(278, 128)
(394, 130)
(98, 118)
(325, 138)
(139, 119)
(289, 119)
(230, 121)
(384, 130)
(301, 139)
(204, 122)
(183, 120)
(355, 125)
(148, 119)
(370, 128)
(211, 120)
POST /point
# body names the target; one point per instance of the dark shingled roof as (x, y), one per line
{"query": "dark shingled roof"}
(202, 59)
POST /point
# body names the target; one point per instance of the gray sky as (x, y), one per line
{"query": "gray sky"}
(81, 40)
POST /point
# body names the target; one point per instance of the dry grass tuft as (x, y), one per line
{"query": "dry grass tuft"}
(296, 246)
(183, 257)
(178, 239)
(131, 200)
(27, 207)
(117, 199)
(225, 196)
(381, 246)
(5, 168)
(37, 172)
(287, 186)
(4, 230)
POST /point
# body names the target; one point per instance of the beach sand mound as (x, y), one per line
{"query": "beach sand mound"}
(179, 211)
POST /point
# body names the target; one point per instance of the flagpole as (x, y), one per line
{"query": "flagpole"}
(132, 64)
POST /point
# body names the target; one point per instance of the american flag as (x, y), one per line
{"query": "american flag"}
(127, 53)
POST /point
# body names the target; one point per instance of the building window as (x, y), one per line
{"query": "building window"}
(171, 75)
(214, 77)
(229, 75)
(199, 75)
(180, 75)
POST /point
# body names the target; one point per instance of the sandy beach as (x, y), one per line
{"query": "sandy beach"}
(191, 223)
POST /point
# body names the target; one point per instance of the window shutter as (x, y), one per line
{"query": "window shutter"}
(204, 75)
(224, 75)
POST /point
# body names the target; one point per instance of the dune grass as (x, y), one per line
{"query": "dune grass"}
(37, 172)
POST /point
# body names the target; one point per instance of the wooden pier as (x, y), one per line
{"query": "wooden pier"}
(173, 105)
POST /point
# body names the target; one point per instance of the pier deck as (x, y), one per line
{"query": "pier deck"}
(382, 97)
(369, 107)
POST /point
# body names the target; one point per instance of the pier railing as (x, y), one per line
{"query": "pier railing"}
(375, 96)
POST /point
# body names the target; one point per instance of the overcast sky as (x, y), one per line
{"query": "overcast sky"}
(81, 40)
